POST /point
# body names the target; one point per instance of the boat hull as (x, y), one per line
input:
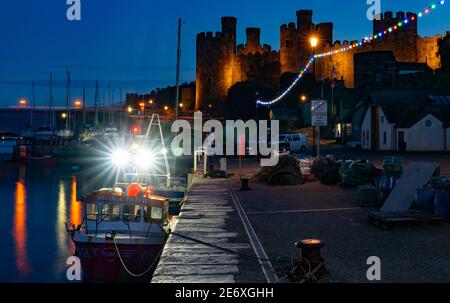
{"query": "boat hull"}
(101, 263)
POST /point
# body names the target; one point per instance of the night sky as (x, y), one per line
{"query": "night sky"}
(131, 44)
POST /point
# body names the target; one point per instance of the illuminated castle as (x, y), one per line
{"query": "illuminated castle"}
(221, 64)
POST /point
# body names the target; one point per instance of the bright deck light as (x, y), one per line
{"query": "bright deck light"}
(144, 159)
(120, 158)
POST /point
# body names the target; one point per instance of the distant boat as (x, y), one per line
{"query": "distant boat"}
(43, 133)
(7, 142)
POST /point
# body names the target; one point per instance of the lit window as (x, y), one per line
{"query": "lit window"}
(157, 213)
(110, 212)
(131, 213)
(92, 212)
(152, 213)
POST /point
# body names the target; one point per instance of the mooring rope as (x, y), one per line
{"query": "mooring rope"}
(126, 268)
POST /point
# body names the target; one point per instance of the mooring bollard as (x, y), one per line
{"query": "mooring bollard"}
(310, 251)
(244, 183)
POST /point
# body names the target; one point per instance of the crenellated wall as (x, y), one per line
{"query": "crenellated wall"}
(221, 64)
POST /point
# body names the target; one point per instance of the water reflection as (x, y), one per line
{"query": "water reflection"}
(75, 206)
(67, 214)
(20, 228)
(61, 219)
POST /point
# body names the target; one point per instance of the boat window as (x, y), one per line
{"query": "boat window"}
(110, 212)
(152, 214)
(157, 213)
(131, 213)
(92, 211)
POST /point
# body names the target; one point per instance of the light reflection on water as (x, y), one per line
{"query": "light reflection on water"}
(19, 230)
(36, 202)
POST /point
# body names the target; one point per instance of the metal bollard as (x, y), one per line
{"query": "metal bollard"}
(244, 184)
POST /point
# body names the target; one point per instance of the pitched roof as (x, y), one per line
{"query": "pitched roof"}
(406, 107)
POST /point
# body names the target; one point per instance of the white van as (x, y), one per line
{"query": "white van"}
(297, 142)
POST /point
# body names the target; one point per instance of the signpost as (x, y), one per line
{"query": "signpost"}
(319, 117)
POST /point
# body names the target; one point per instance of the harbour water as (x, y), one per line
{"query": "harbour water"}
(36, 202)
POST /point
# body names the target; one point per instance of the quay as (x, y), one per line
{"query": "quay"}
(212, 241)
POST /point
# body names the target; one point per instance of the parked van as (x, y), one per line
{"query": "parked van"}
(297, 142)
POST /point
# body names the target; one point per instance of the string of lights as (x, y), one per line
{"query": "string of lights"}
(363, 42)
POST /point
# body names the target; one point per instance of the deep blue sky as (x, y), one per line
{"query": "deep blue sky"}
(132, 43)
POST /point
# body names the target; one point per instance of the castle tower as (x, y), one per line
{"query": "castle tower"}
(253, 40)
(403, 42)
(229, 25)
(295, 49)
(325, 33)
(215, 60)
(304, 20)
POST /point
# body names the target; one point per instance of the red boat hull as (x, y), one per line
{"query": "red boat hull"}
(101, 263)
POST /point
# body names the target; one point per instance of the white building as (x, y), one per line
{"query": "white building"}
(408, 119)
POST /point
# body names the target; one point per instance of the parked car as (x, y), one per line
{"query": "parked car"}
(297, 142)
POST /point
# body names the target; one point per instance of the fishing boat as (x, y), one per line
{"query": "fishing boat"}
(122, 234)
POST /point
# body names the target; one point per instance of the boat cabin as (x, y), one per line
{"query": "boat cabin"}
(134, 215)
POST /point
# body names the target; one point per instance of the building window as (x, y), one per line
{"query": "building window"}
(382, 119)
(428, 123)
(384, 138)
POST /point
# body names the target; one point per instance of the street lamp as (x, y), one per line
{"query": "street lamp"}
(64, 115)
(130, 109)
(22, 102)
(166, 108)
(303, 98)
(314, 41)
(150, 101)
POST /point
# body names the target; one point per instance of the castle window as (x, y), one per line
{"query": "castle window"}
(288, 43)
(209, 82)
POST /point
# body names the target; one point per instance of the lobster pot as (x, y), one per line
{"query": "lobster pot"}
(425, 199)
(393, 166)
(367, 195)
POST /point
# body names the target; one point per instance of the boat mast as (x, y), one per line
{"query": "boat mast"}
(33, 98)
(68, 99)
(177, 100)
(96, 105)
(110, 105)
(51, 110)
(84, 106)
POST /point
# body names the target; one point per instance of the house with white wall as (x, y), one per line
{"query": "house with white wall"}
(414, 120)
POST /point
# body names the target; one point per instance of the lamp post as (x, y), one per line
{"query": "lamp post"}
(314, 41)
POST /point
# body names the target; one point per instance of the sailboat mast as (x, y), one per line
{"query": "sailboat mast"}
(33, 98)
(84, 106)
(51, 110)
(96, 105)
(68, 100)
(177, 101)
